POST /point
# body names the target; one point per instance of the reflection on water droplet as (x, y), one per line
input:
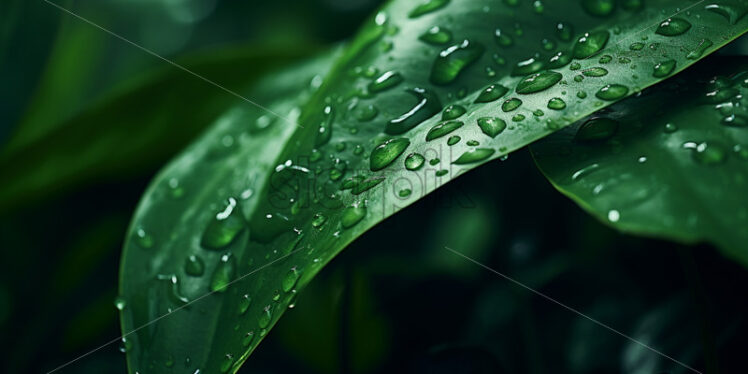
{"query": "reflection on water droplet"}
(244, 302)
(511, 104)
(612, 92)
(414, 161)
(614, 216)
(385, 81)
(427, 105)
(120, 303)
(442, 129)
(353, 215)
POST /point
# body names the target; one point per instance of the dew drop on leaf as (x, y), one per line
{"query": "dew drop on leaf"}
(414, 161)
(453, 60)
(224, 227)
(538, 82)
(599, 8)
(511, 104)
(556, 103)
(590, 43)
(266, 315)
(387, 80)
(120, 303)
(673, 26)
(663, 69)
(559, 60)
(244, 302)
(143, 239)
(247, 339)
(707, 153)
(564, 31)
(491, 126)
(733, 12)
(228, 361)
(352, 215)
(612, 92)
(454, 139)
(596, 129)
(474, 155)
(595, 72)
(386, 153)
(529, 66)
(426, 106)
(194, 266)
(491, 93)
(427, 6)
(700, 49)
(442, 129)
(453, 111)
(436, 36)
(503, 39)
(289, 281)
(223, 274)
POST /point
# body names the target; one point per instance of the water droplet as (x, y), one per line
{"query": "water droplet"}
(143, 239)
(366, 113)
(491, 126)
(503, 39)
(695, 54)
(318, 220)
(735, 120)
(708, 153)
(575, 66)
(548, 44)
(491, 93)
(599, 8)
(590, 43)
(324, 132)
(596, 129)
(614, 215)
(385, 81)
(559, 60)
(473, 143)
(530, 66)
(367, 184)
(386, 153)
(248, 337)
(564, 31)
(670, 128)
(352, 215)
(442, 129)
(276, 296)
(223, 273)
(511, 104)
(227, 362)
(612, 92)
(733, 12)
(194, 266)
(556, 103)
(595, 72)
(538, 6)
(265, 316)
(673, 26)
(414, 161)
(404, 192)
(428, 105)
(538, 82)
(225, 226)
(436, 36)
(605, 59)
(453, 111)
(518, 118)
(289, 281)
(120, 303)
(244, 302)
(434, 161)
(453, 60)
(663, 69)
(636, 46)
(581, 94)
(474, 155)
(427, 6)
(454, 139)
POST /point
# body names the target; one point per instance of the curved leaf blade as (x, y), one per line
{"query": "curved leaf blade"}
(361, 154)
(676, 165)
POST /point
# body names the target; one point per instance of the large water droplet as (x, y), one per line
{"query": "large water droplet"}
(538, 82)
(386, 153)
(436, 36)
(474, 155)
(491, 93)
(224, 227)
(414, 161)
(511, 104)
(453, 111)
(673, 26)
(491, 126)
(428, 105)
(663, 69)
(453, 60)
(442, 129)
(352, 215)
(427, 6)
(385, 81)
(596, 129)
(700, 49)
(223, 273)
(556, 103)
(733, 12)
(530, 66)
(590, 43)
(612, 92)
(454, 139)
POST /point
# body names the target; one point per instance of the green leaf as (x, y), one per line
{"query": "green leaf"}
(113, 141)
(671, 163)
(395, 118)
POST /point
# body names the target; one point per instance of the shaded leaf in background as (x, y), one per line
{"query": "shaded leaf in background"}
(284, 200)
(670, 163)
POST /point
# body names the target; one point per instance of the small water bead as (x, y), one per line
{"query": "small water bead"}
(735, 120)
(538, 6)
(614, 215)
(663, 69)
(453, 111)
(473, 143)
(528, 66)
(324, 132)
(143, 239)
(367, 184)
(427, 105)
(434, 161)
(266, 315)
(120, 303)
(491, 93)
(590, 43)
(276, 296)
(564, 31)
(605, 59)
(595, 72)
(454, 139)
(518, 118)
(511, 104)
(427, 6)
(538, 82)
(556, 103)
(414, 161)
(318, 220)
(575, 66)
(700, 49)
(733, 12)
(436, 36)
(707, 153)
(503, 39)
(194, 266)
(670, 128)
(636, 46)
(578, 78)
(404, 192)
(442, 129)
(453, 60)
(175, 190)
(596, 129)
(366, 113)
(125, 345)
(224, 228)
(358, 150)
(289, 281)
(223, 274)
(612, 92)
(474, 155)
(538, 113)
(490, 72)
(442, 173)
(491, 126)
(352, 215)
(599, 8)
(244, 302)
(247, 339)
(387, 80)
(673, 27)
(227, 362)
(582, 95)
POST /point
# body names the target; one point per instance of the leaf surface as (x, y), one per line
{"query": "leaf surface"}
(424, 93)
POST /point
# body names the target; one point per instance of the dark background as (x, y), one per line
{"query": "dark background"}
(395, 300)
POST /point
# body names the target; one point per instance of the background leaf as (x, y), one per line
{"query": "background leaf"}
(277, 203)
(670, 162)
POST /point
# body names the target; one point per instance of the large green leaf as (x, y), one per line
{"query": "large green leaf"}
(670, 163)
(277, 202)
(137, 126)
